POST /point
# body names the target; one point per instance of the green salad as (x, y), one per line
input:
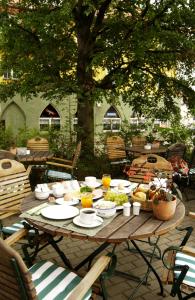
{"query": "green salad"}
(118, 198)
(85, 189)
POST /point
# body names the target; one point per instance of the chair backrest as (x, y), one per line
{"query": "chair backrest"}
(177, 149)
(146, 167)
(38, 144)
(76, 154)
(14, 186)
(115, 146)
(7, 154)
(15, 279)
(138, 141)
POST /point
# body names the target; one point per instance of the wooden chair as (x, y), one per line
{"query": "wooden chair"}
(116, 153)
(56, 166)
(177, 149)
(14, 187)
(38, 144)
(7, 154)
(144, 168)
(179, 263)
(44, 280)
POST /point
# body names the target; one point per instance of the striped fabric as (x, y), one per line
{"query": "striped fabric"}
(59, 175)
(192, 171)
(184, 259)
(8, 230)
(53, 282)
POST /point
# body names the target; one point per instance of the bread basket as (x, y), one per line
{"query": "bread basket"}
(145, 205)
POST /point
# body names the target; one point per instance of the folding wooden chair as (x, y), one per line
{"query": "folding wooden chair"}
(116, 152)
(179, 262)
(56, 167)
(44, 280)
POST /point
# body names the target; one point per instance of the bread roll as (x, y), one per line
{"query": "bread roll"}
(140, 196)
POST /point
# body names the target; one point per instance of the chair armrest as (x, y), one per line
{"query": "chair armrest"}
(188, 250)
(67, 161)
(90, 278)
(16, 236)
(192, 215)
(28, 170)
(59, 165)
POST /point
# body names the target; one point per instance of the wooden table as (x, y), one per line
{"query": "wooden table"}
(35, 157)
(141, 150)
(121, 229)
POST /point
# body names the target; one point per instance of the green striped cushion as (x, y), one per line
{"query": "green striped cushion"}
(53, 282)
(8, 230)
(184, 259)
(59, 175)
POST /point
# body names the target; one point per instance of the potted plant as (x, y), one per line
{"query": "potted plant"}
(163, 205)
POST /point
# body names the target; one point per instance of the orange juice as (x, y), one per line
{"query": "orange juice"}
(106, 179)
(86, 200)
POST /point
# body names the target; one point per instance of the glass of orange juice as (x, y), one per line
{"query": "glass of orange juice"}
(86, 200)
(106, 179)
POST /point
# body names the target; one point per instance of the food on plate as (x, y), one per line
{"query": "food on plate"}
(85, 189)
(121, 187)
(118, 198)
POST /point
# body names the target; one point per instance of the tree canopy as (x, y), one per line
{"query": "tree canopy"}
(142, 50)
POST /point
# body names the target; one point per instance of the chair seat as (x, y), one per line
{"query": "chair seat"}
(53, 282)
(59, 175)
(8, 230)
(185, 259)
(192, 171)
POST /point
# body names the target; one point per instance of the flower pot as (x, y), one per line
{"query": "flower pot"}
(164, 210)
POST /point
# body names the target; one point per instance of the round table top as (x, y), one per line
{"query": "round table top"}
(120, 229)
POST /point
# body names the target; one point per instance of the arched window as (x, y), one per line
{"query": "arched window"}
(112, 120)
(135, 119)
(49, 119)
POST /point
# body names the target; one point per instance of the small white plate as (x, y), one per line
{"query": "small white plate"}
(97, 194)
(59, 212)
(116, 182)
(77, 221)
(94, 185)
(61, 201)
(118, 207)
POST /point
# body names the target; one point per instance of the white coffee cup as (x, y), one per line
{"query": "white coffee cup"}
(58, 190)
(87, 215)
(90, 181)
(136, 208)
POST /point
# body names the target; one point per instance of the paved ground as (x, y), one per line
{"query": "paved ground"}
(118, 287)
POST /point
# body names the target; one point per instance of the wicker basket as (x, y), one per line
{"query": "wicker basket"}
(145, 205)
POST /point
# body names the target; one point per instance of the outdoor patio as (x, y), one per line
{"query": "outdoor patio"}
(120, 288)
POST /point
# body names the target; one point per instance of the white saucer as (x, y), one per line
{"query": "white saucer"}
(96, 223)
(61, 201)
(116, 182)
(94, 185)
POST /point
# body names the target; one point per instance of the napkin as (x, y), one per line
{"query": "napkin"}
(42, 188)
(37, 210)
(71, 185)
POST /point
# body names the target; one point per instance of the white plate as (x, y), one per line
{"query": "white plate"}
(116, 182)
(67, 202)
(94, 185)
(97, 194)
(125, 190)
(59, 212)
(96, 223)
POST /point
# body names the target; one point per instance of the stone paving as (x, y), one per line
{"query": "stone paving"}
(120, 288)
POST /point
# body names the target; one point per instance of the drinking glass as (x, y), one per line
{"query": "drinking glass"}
(106, 179)
(86, 200)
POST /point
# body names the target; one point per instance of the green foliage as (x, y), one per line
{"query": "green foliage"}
(24, 134)
(146, 47)
(6, 138)
(176, 133)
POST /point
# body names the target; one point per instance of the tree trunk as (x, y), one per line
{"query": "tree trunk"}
(85, 132)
